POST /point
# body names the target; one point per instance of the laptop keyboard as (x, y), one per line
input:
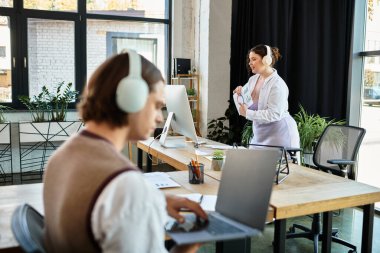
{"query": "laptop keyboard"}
(218, 227)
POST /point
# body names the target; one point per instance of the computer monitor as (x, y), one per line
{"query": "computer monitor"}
(179, 117)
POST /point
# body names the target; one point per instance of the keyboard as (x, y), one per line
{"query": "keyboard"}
(219, 227)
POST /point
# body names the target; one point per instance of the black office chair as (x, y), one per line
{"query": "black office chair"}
(27, 227)
(335, 153)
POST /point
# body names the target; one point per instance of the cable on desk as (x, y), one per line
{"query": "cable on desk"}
(150, 144)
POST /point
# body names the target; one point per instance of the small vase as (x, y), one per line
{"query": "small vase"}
(217, 164)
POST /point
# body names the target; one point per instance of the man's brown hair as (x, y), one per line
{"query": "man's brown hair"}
(98, 101)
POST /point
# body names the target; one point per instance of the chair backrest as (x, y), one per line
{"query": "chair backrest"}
(27, 227)
(338, 142)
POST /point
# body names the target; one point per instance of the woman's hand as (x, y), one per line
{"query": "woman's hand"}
(174, 204)
(238, 90)
(243, 110)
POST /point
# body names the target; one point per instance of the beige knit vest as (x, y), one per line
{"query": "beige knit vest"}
(75, 176)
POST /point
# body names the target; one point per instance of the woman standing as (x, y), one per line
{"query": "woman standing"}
(271, 121)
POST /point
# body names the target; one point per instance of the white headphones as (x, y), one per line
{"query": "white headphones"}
(132, 91)
(267, 59)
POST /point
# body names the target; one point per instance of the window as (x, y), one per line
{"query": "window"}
(5, 61)
(65, 40)
(370, 98)
(50, 53)
(132, 8)
(106, 38)
(6, 3)
(51, 5)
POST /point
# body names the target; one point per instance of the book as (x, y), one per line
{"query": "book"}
(243, 98)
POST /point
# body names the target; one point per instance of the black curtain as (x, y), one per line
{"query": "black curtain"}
(314, 38)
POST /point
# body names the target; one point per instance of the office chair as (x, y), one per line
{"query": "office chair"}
(27, 227)
(335, 153)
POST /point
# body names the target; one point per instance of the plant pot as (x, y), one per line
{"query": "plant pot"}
(308, 159)
(217, 164)
(38, 141)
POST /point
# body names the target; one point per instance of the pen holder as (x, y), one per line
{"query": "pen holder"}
(196, 173)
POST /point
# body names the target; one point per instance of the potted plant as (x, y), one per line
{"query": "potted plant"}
(310, 128)
(5, 147)
(190, 92)
(218, 131)
(247, 133)
(217, 160)
(60, 100)
(48, 129)
(38, 106)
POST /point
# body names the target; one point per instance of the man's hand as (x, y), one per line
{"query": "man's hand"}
(243, 110)
(175, 203)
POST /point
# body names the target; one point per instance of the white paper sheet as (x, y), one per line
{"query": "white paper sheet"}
(208, 202)
(197, 197)
(160, 180)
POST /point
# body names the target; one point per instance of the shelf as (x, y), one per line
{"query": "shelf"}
(191, 82)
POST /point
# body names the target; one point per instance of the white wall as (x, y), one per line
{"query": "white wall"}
(202, 32)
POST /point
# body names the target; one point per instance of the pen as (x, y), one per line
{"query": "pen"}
(193, 168)
(200, 199)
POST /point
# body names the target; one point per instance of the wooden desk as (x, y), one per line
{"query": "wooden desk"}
(13, 196)
(305, 191)
(176, 157)
(308, 191)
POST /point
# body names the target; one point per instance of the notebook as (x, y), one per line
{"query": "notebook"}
(242, 203)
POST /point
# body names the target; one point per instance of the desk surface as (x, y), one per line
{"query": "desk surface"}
(177, 157)
(304, 191)
(307, 191)
(12, 196)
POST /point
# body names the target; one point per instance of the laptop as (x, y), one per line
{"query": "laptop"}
(242, 203)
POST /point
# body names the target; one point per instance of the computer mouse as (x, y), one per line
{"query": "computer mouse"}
(200, 222)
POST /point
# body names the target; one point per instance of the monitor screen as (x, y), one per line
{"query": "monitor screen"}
(182, 119)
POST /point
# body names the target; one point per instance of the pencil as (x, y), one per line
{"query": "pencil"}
(194, 168)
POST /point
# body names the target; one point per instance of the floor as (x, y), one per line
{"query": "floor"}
(349, 223)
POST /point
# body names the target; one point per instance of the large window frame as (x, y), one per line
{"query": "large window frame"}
(19, 53)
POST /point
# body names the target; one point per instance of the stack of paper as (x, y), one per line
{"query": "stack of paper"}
(160, 180)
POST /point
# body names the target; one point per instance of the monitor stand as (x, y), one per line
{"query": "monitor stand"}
(168, 142)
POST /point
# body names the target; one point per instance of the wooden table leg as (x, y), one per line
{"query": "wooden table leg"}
(367, 235)
(327, 232)
(148, 163)
(139, 158)
(279, 236)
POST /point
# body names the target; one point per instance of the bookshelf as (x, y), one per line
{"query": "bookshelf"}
(191, 82)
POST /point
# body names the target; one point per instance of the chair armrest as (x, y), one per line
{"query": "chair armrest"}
(292, 150)
(341, 162)
(292, 153)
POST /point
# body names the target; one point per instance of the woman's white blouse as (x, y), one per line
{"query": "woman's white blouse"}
(273, 99)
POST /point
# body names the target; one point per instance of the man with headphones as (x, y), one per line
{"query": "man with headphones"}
(271, 121)
(95, 199)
